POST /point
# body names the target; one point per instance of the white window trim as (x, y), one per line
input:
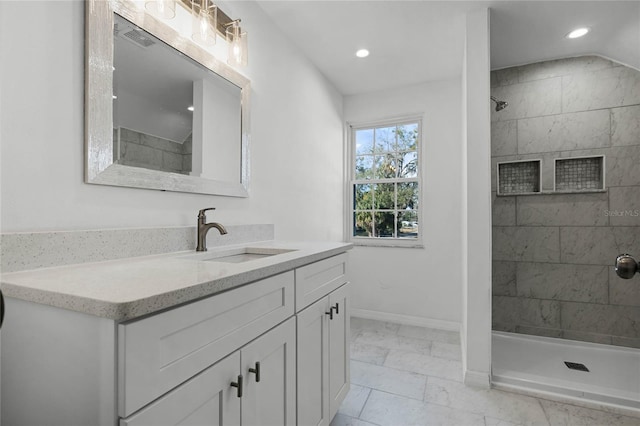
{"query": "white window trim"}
(350, 156)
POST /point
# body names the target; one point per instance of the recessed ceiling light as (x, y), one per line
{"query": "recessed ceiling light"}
(190, 108)
(578, 32)
(362, 53)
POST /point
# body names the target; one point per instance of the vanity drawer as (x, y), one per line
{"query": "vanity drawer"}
(319, 279)
(157, 353)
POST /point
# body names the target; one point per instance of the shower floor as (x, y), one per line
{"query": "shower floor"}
(538, 364)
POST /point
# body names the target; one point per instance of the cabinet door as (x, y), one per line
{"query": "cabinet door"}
(271, 359)
(313, 365)
(207, 399)
(339, 337)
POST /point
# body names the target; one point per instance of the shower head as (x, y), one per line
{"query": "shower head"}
(500, 105)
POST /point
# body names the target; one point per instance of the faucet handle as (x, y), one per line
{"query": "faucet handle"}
(201, 212)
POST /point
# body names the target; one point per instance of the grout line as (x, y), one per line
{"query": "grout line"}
(546, 415)
(365, 402)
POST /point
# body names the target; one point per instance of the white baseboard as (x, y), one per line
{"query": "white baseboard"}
(477, 379)
(406, 319)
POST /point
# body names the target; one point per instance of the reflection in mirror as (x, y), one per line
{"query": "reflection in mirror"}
(156, 116)
(159, 94)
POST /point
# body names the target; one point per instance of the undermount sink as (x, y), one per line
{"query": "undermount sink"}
(240, 255)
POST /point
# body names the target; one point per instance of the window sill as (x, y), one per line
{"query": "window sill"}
(390, 243)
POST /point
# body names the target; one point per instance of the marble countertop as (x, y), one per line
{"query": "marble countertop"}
(129, 288)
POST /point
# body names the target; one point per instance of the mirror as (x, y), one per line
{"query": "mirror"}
(161, 113)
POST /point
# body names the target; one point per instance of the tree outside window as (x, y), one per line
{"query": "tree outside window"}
(385, 181)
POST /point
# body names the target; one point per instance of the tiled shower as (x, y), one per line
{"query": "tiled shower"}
(554, 246)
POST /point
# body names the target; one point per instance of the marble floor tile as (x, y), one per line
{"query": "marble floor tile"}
(433, 334)
(417, 389)
(393, 341)
(342, 420)
(368, 353)
(570, 415)
(359, 324)
(490, 421)
(487, 402)
(425, 364)
(354, 401)
(404, 383)
(392, 410)
(446, 350)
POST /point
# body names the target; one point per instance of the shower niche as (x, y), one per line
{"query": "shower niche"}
(519, 177)
(578, 174)
(570, 175)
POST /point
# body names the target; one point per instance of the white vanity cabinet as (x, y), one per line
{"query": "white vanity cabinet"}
(255, 384)
(263, 353)
(323, 341)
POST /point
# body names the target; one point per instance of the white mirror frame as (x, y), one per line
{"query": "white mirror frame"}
(99, 163)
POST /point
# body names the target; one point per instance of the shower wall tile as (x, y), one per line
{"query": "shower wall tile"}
(621, 165)
(503, 210)
(567, 209)
(187, 162)
(597, 245)
(503, 138)
(625, 341)
(510, 328)
(539, 331)
(503, 278)
(504, 77)
(623, 292)
(563, 132)
(582, 336)
(558, 256)
(624, 206)
(171, 161)
(526, 312)
(577, 283)
(531, 99)
(140, 154)
(623, 321)
(560, 67)
(607, 88)
(625, 126)
(160, 143)
(533, 244)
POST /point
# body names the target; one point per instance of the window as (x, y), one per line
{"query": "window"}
(385, 182)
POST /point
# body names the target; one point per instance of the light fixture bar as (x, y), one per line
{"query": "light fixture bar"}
(223, 18)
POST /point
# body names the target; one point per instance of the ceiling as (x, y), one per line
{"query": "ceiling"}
(417, 41)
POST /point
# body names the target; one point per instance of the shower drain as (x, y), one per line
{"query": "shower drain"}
(576, 366)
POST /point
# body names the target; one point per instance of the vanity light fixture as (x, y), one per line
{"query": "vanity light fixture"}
(115, 97)
(237, 39)
(190, 108)
(163, 8)
(578, 32)
(362, 53)
(204, 21)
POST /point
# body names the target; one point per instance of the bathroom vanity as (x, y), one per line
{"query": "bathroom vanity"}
(251, 335)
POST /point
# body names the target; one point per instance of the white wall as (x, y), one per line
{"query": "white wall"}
(409, 284)
(296, 142)
(476, 200)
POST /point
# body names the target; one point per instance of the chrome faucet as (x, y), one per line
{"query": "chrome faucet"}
(204, 227)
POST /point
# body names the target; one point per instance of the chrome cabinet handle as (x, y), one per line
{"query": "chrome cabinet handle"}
(238, 385)
(256, 371)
